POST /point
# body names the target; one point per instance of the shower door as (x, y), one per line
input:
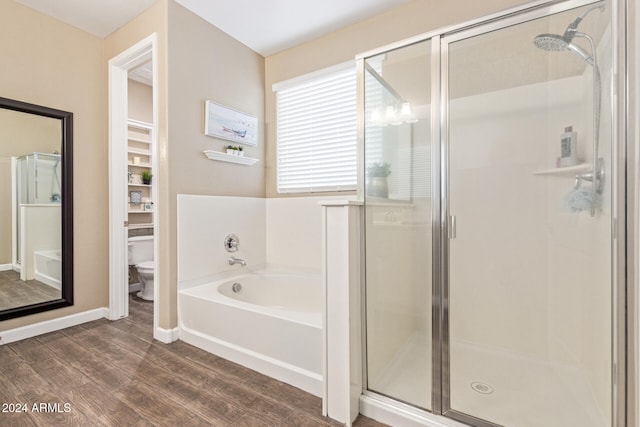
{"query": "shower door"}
(529, 252)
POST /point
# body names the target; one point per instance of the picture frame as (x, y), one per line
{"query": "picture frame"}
(232, 125)
(135, 197)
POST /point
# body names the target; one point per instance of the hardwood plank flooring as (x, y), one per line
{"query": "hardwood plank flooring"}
(115, 374)
(16, 293)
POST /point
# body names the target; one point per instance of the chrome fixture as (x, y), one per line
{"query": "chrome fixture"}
(556, 43)
(233, 260)
(231, 242)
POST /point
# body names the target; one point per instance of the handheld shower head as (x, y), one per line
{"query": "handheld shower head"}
(557, 43)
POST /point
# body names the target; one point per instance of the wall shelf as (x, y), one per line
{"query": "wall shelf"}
(140, 165)
(140, 212)
(224, 157)
(139, 185)
(569, 170)
(140, 151)
(137, 226)
(140, 140)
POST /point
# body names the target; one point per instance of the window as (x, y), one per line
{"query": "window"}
(316, 132)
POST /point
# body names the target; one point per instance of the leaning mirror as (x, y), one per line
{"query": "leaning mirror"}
(36, 212)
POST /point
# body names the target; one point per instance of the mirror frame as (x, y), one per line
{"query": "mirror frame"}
(66, 150)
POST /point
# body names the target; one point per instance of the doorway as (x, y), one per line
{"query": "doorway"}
(132, 150)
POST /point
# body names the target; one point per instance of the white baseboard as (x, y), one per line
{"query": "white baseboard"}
(166, 336)
(6, 267)
(29, 331)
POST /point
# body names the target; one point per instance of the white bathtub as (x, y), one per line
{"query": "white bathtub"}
(48, 267)
(273, 324)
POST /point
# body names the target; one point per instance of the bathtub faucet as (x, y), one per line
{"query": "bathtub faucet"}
(233, 260)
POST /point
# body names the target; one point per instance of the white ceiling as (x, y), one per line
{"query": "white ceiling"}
(266, 26)
(98, 17)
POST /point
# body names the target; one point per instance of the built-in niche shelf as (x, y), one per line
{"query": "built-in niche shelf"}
(142, 225)
(139, 149)
(224, 157)
(569, 170)
(139, 165)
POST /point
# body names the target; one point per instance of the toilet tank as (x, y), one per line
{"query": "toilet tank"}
(140, 249)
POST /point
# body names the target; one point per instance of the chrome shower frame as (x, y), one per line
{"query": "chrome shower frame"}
(625, 211)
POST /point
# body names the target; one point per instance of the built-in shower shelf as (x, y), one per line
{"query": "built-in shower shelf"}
(569, 170)
(223, 157)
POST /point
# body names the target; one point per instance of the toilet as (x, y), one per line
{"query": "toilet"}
(141, 256)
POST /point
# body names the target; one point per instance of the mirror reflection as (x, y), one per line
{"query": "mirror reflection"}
(30, 214)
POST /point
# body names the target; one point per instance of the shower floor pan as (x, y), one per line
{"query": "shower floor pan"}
(497, 386)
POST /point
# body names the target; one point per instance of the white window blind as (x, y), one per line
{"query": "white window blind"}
(316, 133)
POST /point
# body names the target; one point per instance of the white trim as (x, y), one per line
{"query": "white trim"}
(166, 336)
(118, 112)
(29, 331)
(14, 213)
(312, 75)
(6, 267)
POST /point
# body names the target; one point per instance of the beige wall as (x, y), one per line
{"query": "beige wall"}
(153, 20)
(416, 17)
(207, 64)
(140, 102)
(49, 63)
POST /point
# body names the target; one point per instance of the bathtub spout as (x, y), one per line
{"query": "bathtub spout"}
(233, 260)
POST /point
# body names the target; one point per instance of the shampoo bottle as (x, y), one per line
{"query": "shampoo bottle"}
(568, 147)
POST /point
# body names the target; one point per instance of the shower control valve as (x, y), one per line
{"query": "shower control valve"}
(231, 242)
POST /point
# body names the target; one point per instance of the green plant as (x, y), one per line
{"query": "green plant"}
(229, 147)
(235, 148)
(146, 175)
(378, 169)
(240, 149)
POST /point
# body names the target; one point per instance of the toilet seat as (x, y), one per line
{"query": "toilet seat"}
(146, 265)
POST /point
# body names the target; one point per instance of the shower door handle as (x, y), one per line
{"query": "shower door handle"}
(452, 227)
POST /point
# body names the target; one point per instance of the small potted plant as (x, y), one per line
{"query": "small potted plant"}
(146, 176)
(235, 151)
(377, 185)
(230, 149)
(240, 151)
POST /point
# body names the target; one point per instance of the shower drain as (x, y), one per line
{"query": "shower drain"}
(237, 287)
(482, 387)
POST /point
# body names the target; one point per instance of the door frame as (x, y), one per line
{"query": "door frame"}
(119, 67)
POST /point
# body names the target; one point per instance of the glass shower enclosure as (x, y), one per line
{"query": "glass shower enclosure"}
(488, 164)
(37, 182)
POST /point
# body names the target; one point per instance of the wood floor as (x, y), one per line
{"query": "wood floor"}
(16, 293)
(114, 374)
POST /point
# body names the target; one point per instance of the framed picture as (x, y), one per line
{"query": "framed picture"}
(135, 197)
(227, 123)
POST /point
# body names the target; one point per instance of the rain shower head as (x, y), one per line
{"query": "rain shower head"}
(556, 43)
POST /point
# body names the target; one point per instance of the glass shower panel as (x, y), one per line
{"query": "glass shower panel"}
(530, 262)
(397, 157)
